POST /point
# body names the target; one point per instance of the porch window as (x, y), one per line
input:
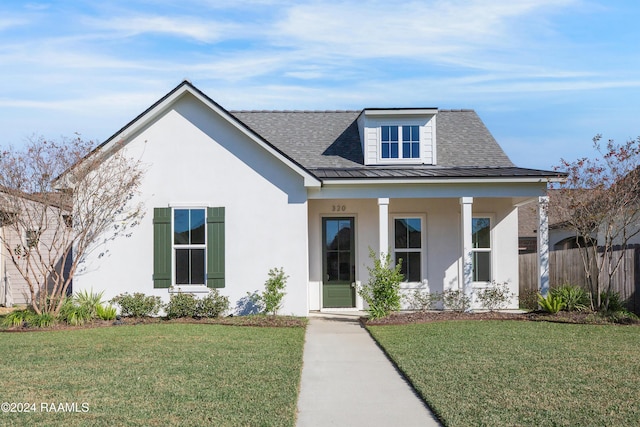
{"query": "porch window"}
(408, 247)
(392, 147)
(481, 249)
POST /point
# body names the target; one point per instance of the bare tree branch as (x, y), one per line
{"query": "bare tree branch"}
(600, 202)
(48, 230)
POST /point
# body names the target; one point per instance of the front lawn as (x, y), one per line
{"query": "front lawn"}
(518, 373)
(154, 375)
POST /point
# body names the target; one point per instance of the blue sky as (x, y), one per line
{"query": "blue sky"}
(544, 75)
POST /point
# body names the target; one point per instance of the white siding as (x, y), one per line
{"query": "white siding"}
(370, 134)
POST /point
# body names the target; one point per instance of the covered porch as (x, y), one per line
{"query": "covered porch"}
(449, 238)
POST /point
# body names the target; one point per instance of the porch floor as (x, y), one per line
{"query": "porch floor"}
(348, 380)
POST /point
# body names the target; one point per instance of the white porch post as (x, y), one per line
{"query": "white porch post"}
(466, 215)
(383, 226)
(543, 245)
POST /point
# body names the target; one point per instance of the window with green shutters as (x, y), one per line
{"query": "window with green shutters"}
(188, 247)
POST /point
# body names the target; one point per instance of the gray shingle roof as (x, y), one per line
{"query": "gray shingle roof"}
(462, 139)
(330, 139)
(312, 138)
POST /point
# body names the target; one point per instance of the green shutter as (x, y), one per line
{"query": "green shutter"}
(215, 247)
(162, 247)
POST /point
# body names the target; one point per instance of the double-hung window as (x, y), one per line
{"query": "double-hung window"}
(481, 249)
(189, 246)
(400, 142)
(408, 247)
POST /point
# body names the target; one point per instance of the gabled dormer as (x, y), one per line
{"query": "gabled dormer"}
(398, 136)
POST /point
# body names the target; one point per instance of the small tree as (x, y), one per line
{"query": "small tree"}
(600, 203)
(50, 227)
(382, 291)
(274, 291)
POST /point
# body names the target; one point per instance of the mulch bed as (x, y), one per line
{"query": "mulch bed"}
(257, 320)
(579, 317)
(402, 318)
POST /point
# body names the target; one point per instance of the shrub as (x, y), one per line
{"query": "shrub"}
(274, 290)
(574, 298)
(610, 302)
(423, 301)
(213, 305)
(181, 305)
(75, 314)
(42, 320)
(137, 305)
(89, 300)
(495, 296)
(18, 318)
(188, 305)
(528, 299)
(621, 316)
(551, 304)
(382, 291)
(107, 312)
(455, 300)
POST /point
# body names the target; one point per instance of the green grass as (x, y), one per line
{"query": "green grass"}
(155, 375)
(508, 373)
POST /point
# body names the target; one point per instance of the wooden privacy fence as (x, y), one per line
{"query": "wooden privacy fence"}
(565, 267)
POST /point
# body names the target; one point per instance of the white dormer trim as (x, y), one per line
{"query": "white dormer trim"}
(396, 112)
(370, 125)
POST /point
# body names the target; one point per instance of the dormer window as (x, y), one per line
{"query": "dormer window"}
(398, 136)
(391, 144)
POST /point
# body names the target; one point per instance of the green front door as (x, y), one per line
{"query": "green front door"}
(338, 263)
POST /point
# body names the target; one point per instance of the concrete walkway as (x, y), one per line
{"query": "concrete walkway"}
(348, 381)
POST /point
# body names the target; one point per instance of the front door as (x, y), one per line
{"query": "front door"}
(338, 263)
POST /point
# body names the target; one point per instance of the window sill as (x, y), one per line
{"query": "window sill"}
(189, 289)
(401, 161)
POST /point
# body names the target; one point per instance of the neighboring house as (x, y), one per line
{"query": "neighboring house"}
(230, 195)
(16, 238)
(560, 237)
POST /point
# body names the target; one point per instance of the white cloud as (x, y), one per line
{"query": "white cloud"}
(190, 27)
(428, 30)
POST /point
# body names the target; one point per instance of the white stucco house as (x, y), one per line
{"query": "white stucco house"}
(232, 194)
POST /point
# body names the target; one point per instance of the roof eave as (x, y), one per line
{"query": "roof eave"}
(165, 102)
(474, 180)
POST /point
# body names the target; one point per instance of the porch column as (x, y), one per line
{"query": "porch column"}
(466, 215)
(543, 245)
(383, 226)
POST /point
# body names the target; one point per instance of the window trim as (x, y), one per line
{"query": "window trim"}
(188, 288)
(162, 248)
(32, 238)
(490, 250)
(423, 242)
(400, 159)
